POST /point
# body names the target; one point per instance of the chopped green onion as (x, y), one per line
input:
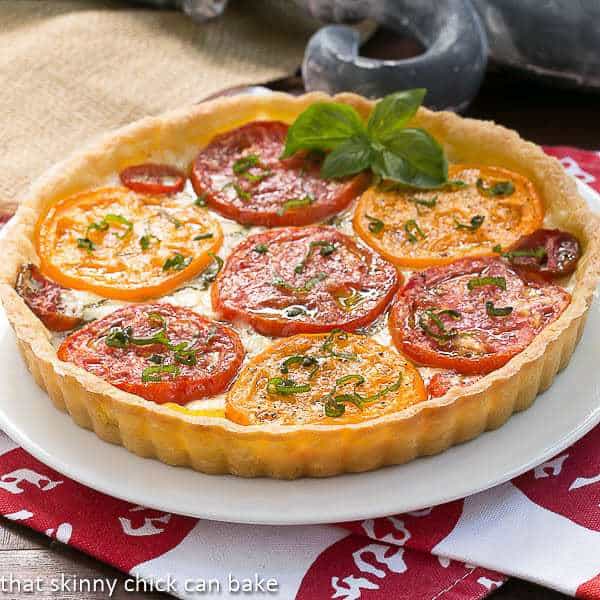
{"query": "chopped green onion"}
(375, 225)
(492, 311)
(153, 374)
(499, 188)
(413, 231)
(295, 203)
(261, 248)
(476, 223)
(157, 359)
(203, 236)
(483, 281)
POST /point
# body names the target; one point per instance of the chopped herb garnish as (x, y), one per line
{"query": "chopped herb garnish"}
(210, 274)
(539, 253)
(433, 326)
(475, 224)
(242, 194)
(325, 249)
(428, 202)
(303, 289)
(200, 201)
(300, 360)
(286, 387)
(119, 220)
(375, 225)
(157, 359)
(482, 281)
(185, 355)
(499, 188)
(261, 248)
(457, 184)
(295, 203)
(86, 244)
(335, 404)
(203, 236)
(413, 231)
(294, 311)
(327, 346)
(146, 240)
(492, 311)
(118, 338)
(243, 164)
(154, 374)
(177, 262)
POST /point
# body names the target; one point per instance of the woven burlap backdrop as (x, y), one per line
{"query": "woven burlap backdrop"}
(70, 70)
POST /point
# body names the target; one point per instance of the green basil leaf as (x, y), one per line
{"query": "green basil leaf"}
(413, 158)
(323, 126)
(350, 157)
(391, 114)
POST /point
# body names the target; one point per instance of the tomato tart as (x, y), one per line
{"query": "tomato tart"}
(299, 286)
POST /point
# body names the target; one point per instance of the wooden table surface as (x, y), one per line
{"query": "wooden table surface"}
(541, 114)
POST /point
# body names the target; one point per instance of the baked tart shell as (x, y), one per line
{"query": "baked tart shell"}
(216, 445)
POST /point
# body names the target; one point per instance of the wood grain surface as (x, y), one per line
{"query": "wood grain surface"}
(541, 114)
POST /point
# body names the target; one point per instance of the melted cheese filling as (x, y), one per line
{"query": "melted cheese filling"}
(91, 306)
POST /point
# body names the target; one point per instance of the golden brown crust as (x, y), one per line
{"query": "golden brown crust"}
(215, 445)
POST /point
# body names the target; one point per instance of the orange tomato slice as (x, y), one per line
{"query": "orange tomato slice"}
(484, 207)
(323, 379)
(125, 245)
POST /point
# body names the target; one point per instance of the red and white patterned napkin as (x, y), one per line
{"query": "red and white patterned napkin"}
(543, 526)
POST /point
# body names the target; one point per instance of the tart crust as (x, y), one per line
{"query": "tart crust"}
(216, 445)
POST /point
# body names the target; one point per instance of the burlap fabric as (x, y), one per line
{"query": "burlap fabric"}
(70, 70)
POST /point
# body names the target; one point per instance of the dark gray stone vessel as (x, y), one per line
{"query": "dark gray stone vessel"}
(451, 68)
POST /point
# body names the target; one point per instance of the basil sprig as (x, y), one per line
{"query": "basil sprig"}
(392, 151)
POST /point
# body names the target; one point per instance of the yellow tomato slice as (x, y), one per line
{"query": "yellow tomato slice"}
(323, 379)
(486, 206)
(125, 245)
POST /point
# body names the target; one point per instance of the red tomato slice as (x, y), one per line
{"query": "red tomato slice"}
(44, 298)
(442, 381)
(150, 178)
(303, 280)
(549, 252)
(160, 352)
(473, 315)
(241, 176)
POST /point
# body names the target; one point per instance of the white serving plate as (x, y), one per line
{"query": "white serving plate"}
(559, 417)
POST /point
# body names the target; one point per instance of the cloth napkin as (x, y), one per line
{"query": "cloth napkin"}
(543, 526)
